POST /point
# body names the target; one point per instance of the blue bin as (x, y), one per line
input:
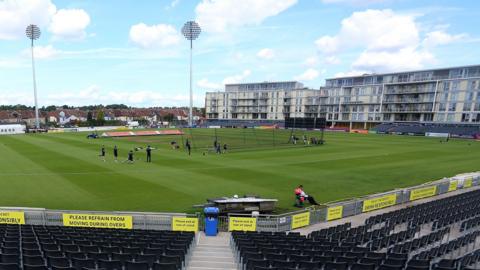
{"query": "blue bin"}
(211, 221)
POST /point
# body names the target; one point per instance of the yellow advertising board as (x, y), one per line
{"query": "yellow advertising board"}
(98, 221)
(468, 183)
(12, 217)
(245, 224)
(379, 202)
(334, 212)
(453, 185)
(420, 193)
(300, 220)
(185, 224)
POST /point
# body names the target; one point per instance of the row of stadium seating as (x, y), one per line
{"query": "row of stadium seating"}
(440, 234)
(32, 247)
(421, 129)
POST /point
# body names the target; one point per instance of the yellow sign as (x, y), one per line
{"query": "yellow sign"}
(98, 221)
(379, 202)
(468, 183)
(185, 224)
(245, 224)
(421, 193)
(300, 220)
(453, 185)
(334, 212)
(12, 217)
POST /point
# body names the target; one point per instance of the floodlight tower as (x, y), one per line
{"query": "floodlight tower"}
(33, 33)
(191, 30)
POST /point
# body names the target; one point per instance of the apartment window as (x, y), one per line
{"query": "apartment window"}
(467, 106)
(469, 96)
(455, 85)
(446, 86)
(450, 117)
(465, 117)
(452, 107)
(428, 117)
(453, 96)
(440, 117)
(442, 107)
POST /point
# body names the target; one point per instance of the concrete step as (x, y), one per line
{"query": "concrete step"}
(212, 254)
(208, 268)
(212, 264)
(212, 258)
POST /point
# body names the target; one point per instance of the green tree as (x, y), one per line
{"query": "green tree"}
(100, 118)
(169, 117)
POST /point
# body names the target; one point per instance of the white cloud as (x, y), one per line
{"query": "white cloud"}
(311, 61)
(385, 61)
(308, 75)
(69, 24)
(206, 84)
(42, 52)
(373, 30)
(350, 73)
(237, 78)
(94, 94)
(440, 37)
(266, 54)
(388, 41)
(332, 60)
(174, 3)
(160, 35)
(15, 15)
(354, 2)
(220, 15)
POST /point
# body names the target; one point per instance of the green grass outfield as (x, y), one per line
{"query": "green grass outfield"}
(63, 171)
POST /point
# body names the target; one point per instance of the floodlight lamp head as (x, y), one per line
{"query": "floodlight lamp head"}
(191, 30)
(33, 32)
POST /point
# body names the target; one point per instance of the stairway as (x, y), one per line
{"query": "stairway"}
(212, 253)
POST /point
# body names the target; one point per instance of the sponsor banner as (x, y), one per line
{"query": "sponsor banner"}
(98, 221)
(468, 183)
(438, 135)
(335, 212)
(453, 185)
(300, 220)
(420, 193)
(379, 202)
(12, 218)
(185, 224)
(245, 224)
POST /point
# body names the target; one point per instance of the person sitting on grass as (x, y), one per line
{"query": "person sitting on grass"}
(130, 157)
(301, 196)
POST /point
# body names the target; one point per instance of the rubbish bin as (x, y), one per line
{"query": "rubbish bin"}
(211, 221)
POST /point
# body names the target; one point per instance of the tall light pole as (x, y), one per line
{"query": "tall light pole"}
(33, 33)
(191, 30)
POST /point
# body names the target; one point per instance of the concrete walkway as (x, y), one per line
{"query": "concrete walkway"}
(212, 253)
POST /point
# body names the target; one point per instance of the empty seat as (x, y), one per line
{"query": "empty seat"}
(129, 265)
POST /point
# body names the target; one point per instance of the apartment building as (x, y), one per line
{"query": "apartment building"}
(260, 101)
(446, 95)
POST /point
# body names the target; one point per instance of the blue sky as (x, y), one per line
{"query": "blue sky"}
(132, 52)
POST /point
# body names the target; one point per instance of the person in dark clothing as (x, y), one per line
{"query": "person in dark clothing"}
(115, 153)
(149, 154)
(130, 157)
(218, 149)
(224, 148)
(187, 144)
(102, 153)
